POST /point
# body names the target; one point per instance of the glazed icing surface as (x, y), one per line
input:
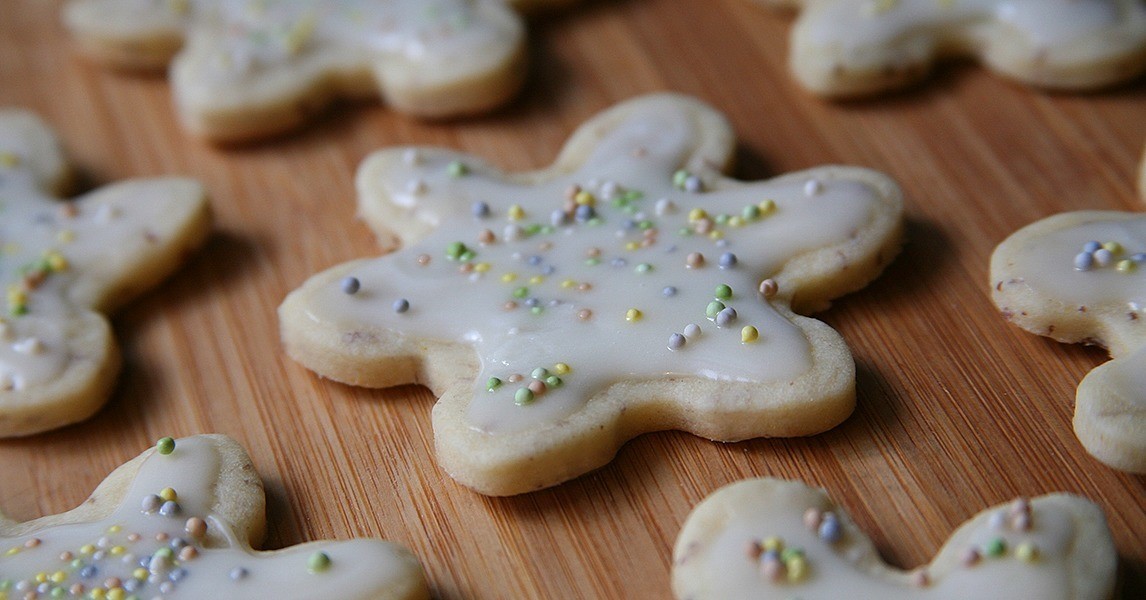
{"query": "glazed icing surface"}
(1034, 555)
(556, 283)
(855, 24)
(148, 552)
(49, 249)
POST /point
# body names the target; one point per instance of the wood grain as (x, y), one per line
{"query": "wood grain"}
(957, 409)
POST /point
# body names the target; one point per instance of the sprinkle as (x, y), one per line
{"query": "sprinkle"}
(830, 530)
(1091, 247)
(457, 169)
(692, 331)
(584, 314)
(749, 334)
(669, 291)
(813, 187)
(584, 198)
(633, 315)
(318, 562)
(195, 527)
(561, 368)
(1127, 266)
(350, 285)
(1027, 552)
(772, 568)
(188, 553)
(725, 317)
(920, 578)
(424, 259)
(1103, 257)
(676, 341)
(722, 292)
(768, 288)
(480, 209)
(168, 494)
(997, 520)
(664, 206)
(727, 260)
(401, 305)
(554, 381)
(752, 549)
(513, 232)
(797, 567)
(812, 518)
(584, 213)
(713, 309)
(537, 387)
(169, 508)
(165, 445)
(516, 377)
(523, 397)
(694, 260)
(679, 177)
(540, 373)
(238, 573)
(1113, 247)
(750, 212)
(772, 543)
(970, 557)
(644, 268)
(492, 384)
(697, 214)
(995, 548)
(516, 213)
(693, 184)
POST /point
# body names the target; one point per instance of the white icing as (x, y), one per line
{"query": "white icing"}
(714, 560)
(358, 568)
(852, 25)
(640, 156)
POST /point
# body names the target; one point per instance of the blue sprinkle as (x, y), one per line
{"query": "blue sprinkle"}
(350, 285)
(481, 209)
(534, 260)
(557, 217)
(584, 213)
(548, 270)
(238, 573)
(178, 543)
(693, 184)
(169, 508)
(770, 555)
(131, 585)
(669, 291)
(531, 302)
(725, 317)
(727, 260)
(676, 341)
(1083, 261)
(1139, 257)
(628, 224)
(401, 305)
(88, 572)
(830, 530)
(145, 562)
(177, 574)
(618, 262)
(1091, 247)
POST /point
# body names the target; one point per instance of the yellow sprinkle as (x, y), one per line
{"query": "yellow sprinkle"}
(139, 573)
(716, 235)
(766, 206)
(536, 279)
(11, 248)
(41, 577)
(772, 543)
(56, 261)
(1127, 266)
(697, 214)
(584, 199)
(14, 550)
(481, 267)
(65, 236)
(87, 549)
(1027, 552)
(568, 283)
(115, 529)
(736, 221)
(561, 368)
(119, 594)
(509, 277)
(8, 159)
(59, 577)
(797, 569)
(300, 34)
(1113, 247)
(633, 315)
(117, 550)
(749, 334)
(97, 593)
(516, 213)
(632, 246)
(168, 494)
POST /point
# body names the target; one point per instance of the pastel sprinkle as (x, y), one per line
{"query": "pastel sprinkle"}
(644, 268)
(797, 569)
(492, 384)
(540, 373)
(1091, 247)
(722, 292)
(692, 331)
(669, 291)
(727, 260)
(830, 530)
(725, 317)
(554, 381)
(749, 334)
(516, 213)
(1113, 247)
(457, 169)
(768, 288)
(168, 494)
(1027, 552)
(350, 285)
(318, 562)
(772, 544)
(995, 548)
(813, 187)
(1127, 266)
(561, 368)
(523, 397)
(676, 341)
(970, 557)
(401, 305)
(165, 445)
(633, 315)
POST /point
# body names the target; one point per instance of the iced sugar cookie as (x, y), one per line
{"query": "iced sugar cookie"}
(857, 47)
(247, 68)
(1079, 277)
(628, 288)
(62, 263)
(178, 522)
(768, 538)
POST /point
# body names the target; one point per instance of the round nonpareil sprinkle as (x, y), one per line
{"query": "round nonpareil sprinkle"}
(318, 562)
(401, 305)
(523, 396)
(633, 315)
(727, 260)
(1027, 552)
(995, 548)
(692, 331)
(676, 341)
(725, 317)
(722, 292)
(749, 334)
(165, 445)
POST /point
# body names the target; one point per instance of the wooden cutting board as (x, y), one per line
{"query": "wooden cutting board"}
(957, 409)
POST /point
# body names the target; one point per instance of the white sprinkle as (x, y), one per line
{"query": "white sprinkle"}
(513, 232)
(998, 519)
(692, 331)
(412, 157)
(676, 341)
(693, 184)
(31, 345)
(813, 187)
(1103, 257)
(416, 186)
(664, 206)
(609, 190)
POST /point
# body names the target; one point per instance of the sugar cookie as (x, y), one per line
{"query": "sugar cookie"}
(858, 47)
(768, 538)
(1078, 277)
(63, 263)
(242, 69)
(628, 288)
(178, 522)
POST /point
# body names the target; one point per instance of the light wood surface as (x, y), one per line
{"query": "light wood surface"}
(957, 409)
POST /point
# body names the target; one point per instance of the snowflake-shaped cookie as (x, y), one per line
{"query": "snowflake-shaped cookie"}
(178, 522)
(62, 263)
(247, 68)
(772, 539)
(857, 47)
(1080, 277)
(628, 288)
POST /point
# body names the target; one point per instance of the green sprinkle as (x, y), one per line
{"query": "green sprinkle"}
(165, 553)
(553, 381)
(533, 229)
(713, 309)
(788, 554)
(723, 292)
(5, 585)
(76, 564)
(19, 310)
(521, 292)
(547, 229)
(457, 169)
(455, 250)
(540, 373)
(165, 445)
(595, 221)
(995, 548)
(59, 592)
(644, 268)
(679, 178)
(537, 310)
(750, 212)
(721, 219)
(318, 562)
(684, 231)
(633, 195)
(644, 225)
(492, 384)
(523, 397)
(467, 256)
(592, 262)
